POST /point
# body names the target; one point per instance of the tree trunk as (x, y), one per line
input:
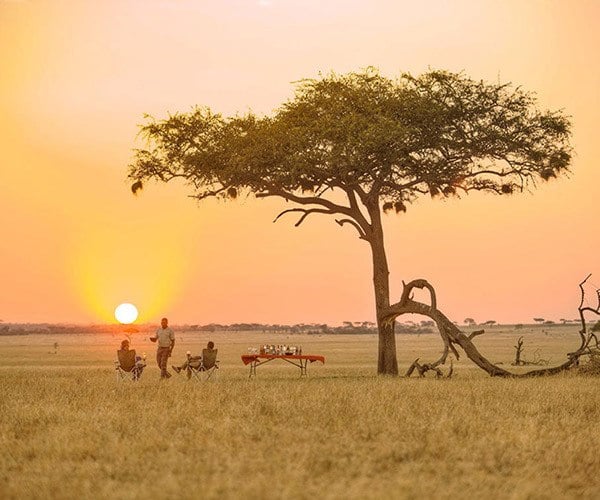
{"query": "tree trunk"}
(387, 363)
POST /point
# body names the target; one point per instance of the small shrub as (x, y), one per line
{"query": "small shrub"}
(592, 366)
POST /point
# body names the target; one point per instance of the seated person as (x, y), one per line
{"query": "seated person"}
(192, 361)
(125, 353)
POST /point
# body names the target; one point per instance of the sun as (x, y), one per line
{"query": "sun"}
(126, 313)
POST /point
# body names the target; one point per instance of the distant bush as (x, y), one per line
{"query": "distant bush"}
(592, 366)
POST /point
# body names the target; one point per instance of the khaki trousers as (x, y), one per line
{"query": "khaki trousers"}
(162, 357)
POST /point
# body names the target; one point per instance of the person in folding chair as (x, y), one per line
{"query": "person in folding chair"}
(128, 365)
(194, 365)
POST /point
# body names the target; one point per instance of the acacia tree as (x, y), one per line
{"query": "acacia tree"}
(354, 145)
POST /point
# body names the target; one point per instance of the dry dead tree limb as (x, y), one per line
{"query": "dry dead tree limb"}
(422, 369)
(537, 359)
(519, 361)
(451, 335)
(519, 348)
(475, 333)
(412, 368)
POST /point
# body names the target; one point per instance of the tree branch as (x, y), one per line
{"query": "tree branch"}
(306, 200)
(407, 289)
(357, 213)
(353, 212)
(475, 333)
(361, 233)
(452, 335)
(585, 336)
(208, 194)
(305, 211)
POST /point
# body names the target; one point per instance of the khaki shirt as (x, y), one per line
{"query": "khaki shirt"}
(165, 336)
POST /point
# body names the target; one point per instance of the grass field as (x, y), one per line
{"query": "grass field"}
(68, 430)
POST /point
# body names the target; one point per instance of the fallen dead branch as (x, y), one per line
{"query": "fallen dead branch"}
(452, 336)
(422, 369)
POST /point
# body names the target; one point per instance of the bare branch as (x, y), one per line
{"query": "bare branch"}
(306, 200)
(424, 368)
(412, 368)
(408, 287)
(361, 233)
(305, 211)
(452, 335)
(357, 213)
(475, 333)
(355, 216)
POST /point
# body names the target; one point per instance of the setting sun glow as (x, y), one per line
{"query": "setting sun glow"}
(126, 313)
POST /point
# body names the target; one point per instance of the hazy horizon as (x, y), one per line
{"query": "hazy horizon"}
(546, 322)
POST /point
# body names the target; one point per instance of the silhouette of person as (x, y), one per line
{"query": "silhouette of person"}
(192, 361)
(138, 368)
(165, 338)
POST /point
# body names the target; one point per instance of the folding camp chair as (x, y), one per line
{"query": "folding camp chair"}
(126, 366)
(208, 365)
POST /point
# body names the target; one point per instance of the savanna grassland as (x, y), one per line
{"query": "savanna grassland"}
(68, 430)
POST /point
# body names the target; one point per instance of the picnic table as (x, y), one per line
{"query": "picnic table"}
(299, 360)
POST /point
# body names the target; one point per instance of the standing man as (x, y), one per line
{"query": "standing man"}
(166, 341)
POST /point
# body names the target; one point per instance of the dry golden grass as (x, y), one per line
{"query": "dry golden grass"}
(67, 430)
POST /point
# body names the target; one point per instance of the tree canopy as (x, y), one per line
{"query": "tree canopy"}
(440, 133)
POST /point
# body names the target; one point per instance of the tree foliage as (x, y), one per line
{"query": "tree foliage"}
(440, 133)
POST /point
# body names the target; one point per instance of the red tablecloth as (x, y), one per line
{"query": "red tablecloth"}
(249, 358)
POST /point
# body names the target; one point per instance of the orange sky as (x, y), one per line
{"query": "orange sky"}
(76, 77)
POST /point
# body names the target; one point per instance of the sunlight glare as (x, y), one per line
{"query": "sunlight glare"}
(126, 313)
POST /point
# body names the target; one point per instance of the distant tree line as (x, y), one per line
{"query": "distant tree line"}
(347, 327)
(353, 327)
